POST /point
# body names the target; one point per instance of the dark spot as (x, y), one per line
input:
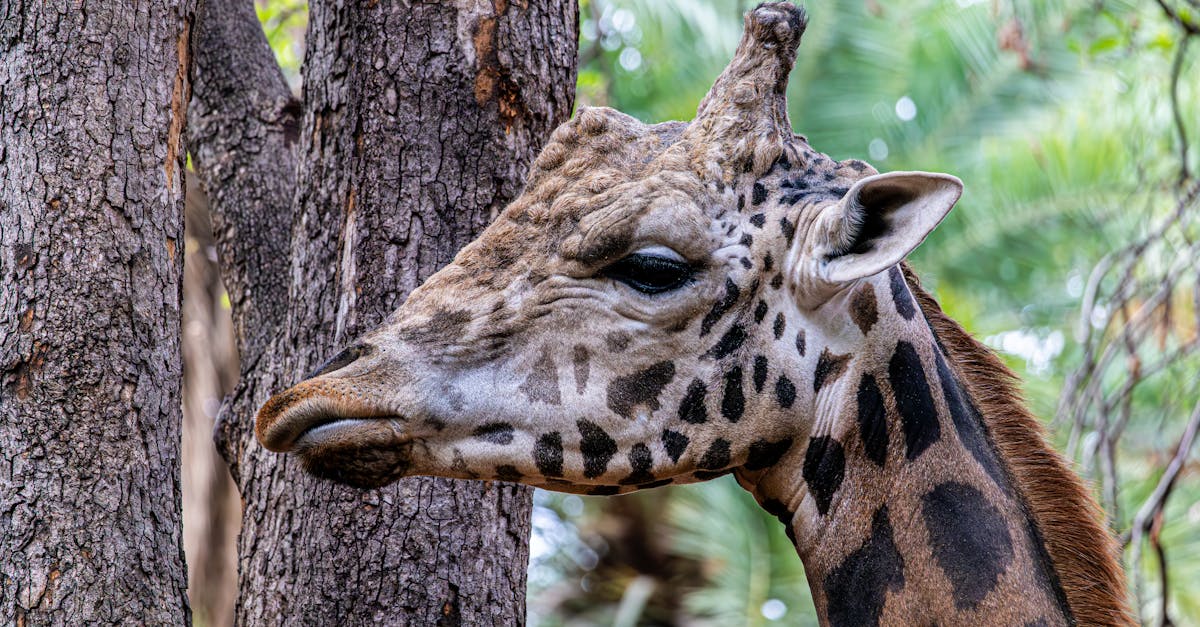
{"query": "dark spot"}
(776, 508)
(675, 443)
(830, 368)
(918, 416)
(789, 229)
(640, 460)
(782, 162)
(347, 356)
(597, 448)
(720, 307)
(760, 373)
(872, 420)
(780, 325)
(691, 408)
(548, 454)
(733, 403)
(604, 490)
(759, 194)
(454, 398)
(610, 243)
(780, 511)
(791, 198)
(443, 327)
(764, 453)
(760, 311)
(824, 467)
(716, 457)
(747, 240)
(768, 262)
(581, 358)
(639, 389)
(746, 263)
(656, 484)
(542, 384)
(900, 295)
(460, 466)
(508, 473)
(856, 589)
(436, 423)
(741, 202)
(969, 538)
(777, 281)
(800, 342)
(705, 475)
(758, 220)
(969, 423)
(785, 392)
(617, 341)
(730, 342)
(495, 432)
(863, 309)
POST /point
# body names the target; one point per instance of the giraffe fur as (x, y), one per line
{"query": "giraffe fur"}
(670, 303)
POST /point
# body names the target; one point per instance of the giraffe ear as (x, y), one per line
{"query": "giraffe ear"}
(879, 222)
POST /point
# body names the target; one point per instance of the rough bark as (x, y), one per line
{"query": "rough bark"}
(92, 103)
(418, 124)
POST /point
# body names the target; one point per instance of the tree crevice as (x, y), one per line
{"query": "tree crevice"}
(327, 213)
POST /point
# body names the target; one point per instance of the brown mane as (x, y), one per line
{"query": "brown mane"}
(1082, 550)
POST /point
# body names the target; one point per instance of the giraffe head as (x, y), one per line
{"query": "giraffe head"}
(654, 308)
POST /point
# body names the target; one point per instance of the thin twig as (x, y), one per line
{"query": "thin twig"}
(1176, 68)
(1188, 27)
(1158, 498)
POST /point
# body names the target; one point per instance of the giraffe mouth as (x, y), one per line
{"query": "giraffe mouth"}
(318, 414)
(336, 429)
(360, 452)
(336, 433)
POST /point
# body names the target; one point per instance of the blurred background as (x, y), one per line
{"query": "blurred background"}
(1074, 253)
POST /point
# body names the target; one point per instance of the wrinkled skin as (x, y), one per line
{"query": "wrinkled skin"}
(671, 303)
(527, 359)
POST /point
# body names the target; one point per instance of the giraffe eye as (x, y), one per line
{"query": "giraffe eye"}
(651, 271)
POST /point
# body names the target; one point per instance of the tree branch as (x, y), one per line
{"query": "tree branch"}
(1176, 68)
(243, 124)
(1187, 26)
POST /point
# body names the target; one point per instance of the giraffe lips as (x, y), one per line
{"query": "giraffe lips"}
(334, 428)
(336, 434)
(364, 453)
(318, 413)
(350, 433)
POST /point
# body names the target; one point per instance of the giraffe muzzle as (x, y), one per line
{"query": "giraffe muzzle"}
(321, 413)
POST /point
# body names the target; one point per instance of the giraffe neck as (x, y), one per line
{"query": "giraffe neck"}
(900, 506)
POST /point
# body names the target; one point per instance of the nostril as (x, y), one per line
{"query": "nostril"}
(348, 355)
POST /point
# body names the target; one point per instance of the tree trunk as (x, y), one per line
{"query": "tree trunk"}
(418, 125)
(92, 103)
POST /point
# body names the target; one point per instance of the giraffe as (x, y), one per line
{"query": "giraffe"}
(669, 303)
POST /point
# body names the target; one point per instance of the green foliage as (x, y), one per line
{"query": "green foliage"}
(284, 22)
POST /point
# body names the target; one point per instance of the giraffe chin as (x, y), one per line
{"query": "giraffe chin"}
(363, 453)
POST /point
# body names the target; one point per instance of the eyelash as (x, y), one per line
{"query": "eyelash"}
(650, 274)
